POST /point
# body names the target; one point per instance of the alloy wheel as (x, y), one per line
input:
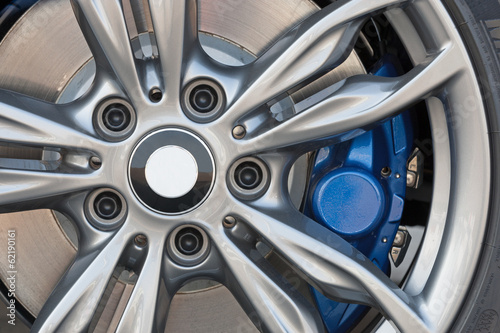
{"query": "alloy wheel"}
(193, 179)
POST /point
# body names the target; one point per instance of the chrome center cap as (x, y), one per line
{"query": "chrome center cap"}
(171, 171)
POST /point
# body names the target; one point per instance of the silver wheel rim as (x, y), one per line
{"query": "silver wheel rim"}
(442, 75)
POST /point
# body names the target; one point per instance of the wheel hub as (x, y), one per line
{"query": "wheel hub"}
(171, 171)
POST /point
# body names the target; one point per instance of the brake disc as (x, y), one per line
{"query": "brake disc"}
(45, 56)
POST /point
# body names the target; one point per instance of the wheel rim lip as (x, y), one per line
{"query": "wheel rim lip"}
(442, 287)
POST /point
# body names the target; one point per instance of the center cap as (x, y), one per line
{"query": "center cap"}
(171, 171)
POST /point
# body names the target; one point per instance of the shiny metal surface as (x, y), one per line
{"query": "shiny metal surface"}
(320, 42)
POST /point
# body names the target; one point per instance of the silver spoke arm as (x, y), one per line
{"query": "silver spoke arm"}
(176, 29)
(142, 313)
(72, 304)
(353, 106)
(20, 188)
(29, 121)
(269, 300)
(334, 267)
(317, 45)
(103, 25)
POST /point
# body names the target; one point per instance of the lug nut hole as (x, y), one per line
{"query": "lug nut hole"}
(114, 119)
(203, 100)
(105, 209)
(189, 241)
(248, 178)
(248, 175)
(188, 245)
(107, 205)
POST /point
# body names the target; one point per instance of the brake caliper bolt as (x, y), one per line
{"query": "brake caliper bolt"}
(95, 162)
(239, 132)
(155, 95)
(386, 172)
(229, 222)
(141, 240)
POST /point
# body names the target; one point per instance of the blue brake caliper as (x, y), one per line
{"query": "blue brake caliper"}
(357, 190)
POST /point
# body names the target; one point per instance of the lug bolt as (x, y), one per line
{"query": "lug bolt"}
(188, 245)
(189, 241)
(105, 209)
(203, 99)
(95, 162)
(239, 132)
(155, 95)
(229, 222)
(248, 175)
(107, 205)
(141, 240)
(248, 178)
(114, 119)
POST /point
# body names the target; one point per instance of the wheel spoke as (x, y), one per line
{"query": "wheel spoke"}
(335, 267)
(103, 25)
(21, 189)
(317, 45)
(73, 302)
(355, 105)
(176, 27)
(28, 121)
(269, 300)
(141, 313)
